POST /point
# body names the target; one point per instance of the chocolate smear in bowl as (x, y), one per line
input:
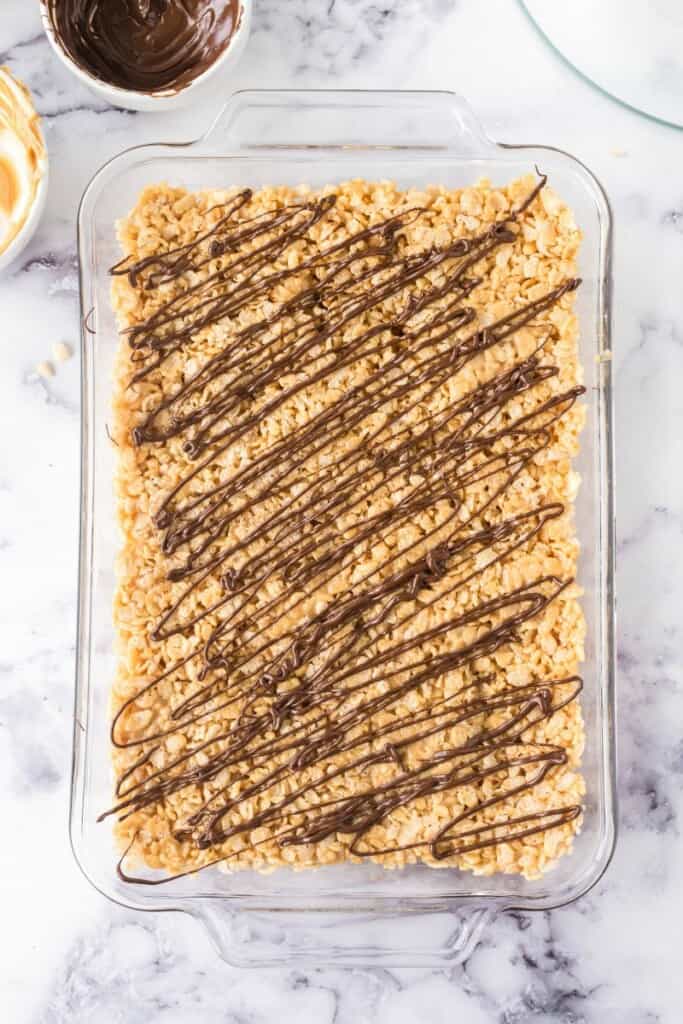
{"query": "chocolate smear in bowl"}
(144, 45)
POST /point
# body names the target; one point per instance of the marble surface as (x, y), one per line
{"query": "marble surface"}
(614, 957)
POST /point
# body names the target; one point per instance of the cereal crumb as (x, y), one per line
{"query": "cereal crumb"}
(45, 369)
(62, 351)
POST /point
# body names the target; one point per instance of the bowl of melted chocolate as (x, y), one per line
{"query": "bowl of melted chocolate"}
(147, 54)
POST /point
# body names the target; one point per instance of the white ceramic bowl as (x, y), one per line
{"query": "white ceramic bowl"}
(29, 226)
(162, 100)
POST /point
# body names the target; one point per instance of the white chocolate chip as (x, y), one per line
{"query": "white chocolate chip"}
(61, 351)
(45, 369)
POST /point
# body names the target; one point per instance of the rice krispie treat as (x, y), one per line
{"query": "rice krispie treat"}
(348, 623)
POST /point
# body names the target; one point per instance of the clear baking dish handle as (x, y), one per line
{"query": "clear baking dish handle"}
(258, 119)
(437, 938)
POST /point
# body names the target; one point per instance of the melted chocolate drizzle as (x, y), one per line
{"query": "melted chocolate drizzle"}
(309, 694)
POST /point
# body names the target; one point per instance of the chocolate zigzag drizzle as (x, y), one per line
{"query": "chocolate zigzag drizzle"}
(324, 701)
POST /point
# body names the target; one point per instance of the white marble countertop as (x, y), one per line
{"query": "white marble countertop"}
(612, 958)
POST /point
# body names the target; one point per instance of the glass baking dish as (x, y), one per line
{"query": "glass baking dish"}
(359, 913)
